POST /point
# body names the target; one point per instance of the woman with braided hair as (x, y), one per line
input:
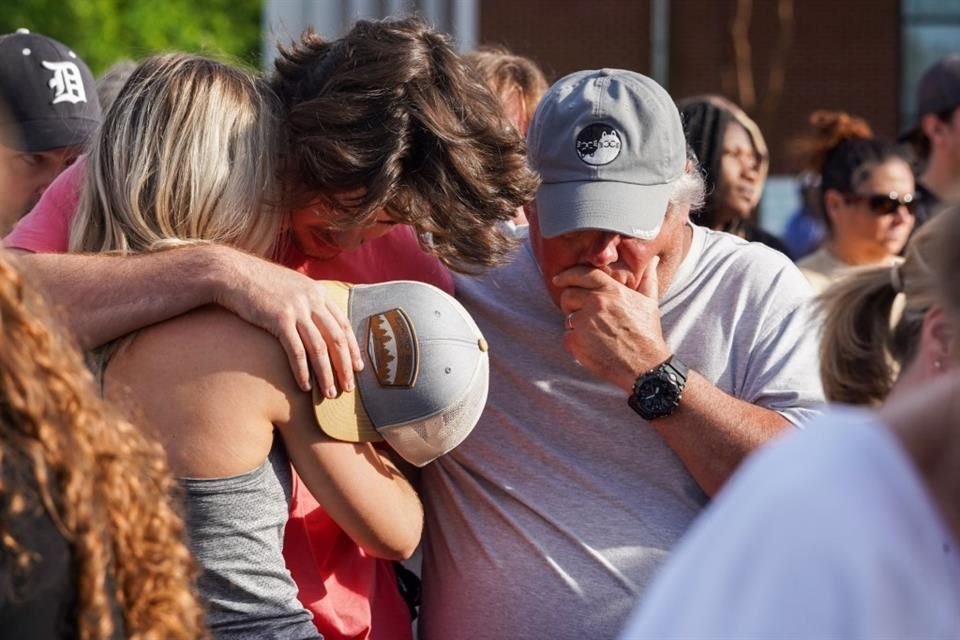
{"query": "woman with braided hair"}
(91, 542)
(733, 156)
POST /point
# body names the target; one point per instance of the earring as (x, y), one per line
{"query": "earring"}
(937, 364)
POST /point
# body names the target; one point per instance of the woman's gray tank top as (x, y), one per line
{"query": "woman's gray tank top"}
(235, 526)
(236, 532)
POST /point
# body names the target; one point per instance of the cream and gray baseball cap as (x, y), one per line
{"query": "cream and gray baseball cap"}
(609, 147)
(426, 370)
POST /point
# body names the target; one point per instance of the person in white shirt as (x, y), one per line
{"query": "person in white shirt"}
(847, 530)
(553, 515)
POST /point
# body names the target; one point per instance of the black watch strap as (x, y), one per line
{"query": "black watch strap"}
(674, 373)
(680, 369)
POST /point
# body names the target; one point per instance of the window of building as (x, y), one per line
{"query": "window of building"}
(930, 30)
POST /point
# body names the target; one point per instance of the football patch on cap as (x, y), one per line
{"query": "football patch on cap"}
(598, 144)
(392, 348)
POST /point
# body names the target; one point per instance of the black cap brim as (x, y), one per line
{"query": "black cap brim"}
(46, 135)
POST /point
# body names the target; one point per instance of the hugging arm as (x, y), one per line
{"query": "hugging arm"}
(105, 297)
(357, 484)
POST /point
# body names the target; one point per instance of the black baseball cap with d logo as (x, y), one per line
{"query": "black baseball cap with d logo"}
(51, 100)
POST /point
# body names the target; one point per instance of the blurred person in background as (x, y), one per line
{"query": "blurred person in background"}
(885, 326)
(849, 530)
(868, 195)
(518, 82)
(936, 136)
(806, 229)
(389, 141)
(733, 157)
(52, 103)
(112, 80)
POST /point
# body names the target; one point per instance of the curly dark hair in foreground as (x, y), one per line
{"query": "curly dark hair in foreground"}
(104, 485)
(392, 107)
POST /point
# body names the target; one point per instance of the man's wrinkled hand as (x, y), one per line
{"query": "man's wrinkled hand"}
(612, 330)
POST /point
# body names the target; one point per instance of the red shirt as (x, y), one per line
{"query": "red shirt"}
(351, 595)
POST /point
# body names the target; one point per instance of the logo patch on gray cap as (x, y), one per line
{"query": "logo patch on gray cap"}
(598, 144)
(393, 349)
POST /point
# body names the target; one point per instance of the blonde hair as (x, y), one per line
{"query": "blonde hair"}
(948, 259)
(65, 456)
(863, 348)
(507, 75)
(186, 154)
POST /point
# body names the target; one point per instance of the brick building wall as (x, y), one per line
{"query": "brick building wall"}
(802, 55)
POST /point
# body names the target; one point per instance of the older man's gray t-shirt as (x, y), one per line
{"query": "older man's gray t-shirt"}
(551, 518)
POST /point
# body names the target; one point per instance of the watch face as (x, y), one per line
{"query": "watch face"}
(657, 394)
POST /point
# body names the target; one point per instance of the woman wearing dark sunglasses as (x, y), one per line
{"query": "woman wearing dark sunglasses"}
(867, 189)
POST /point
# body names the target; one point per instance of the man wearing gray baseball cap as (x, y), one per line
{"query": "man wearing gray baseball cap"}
(623, 391)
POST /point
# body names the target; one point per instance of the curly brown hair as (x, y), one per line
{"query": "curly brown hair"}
(393, 108)
(104, 484)
(830, 130)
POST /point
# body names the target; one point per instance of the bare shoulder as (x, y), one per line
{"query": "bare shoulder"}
(209, 340)
(209, 352)
(208, 385)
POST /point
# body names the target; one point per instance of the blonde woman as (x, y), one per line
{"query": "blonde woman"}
(91, 543)
(185, 156)
(863, 354)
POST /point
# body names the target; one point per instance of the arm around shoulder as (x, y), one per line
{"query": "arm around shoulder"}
(104, 297)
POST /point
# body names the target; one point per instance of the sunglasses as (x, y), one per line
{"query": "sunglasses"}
(883, 204)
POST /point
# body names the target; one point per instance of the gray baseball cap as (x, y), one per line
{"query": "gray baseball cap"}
(426, 370)
(609, 147)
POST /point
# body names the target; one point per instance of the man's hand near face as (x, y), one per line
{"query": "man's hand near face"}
(615, 333)
(612, 330)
